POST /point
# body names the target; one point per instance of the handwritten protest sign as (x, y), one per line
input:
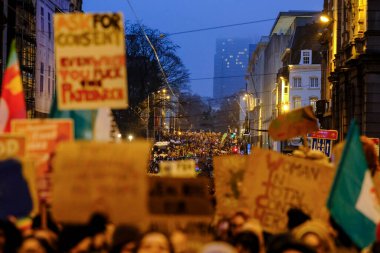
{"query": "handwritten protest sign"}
(180, 203)
(101, 177)
(90, 60)
(229, 173)
(295, 123)
(42, 137)
(12, 145)
(180, 168)
(273, 183)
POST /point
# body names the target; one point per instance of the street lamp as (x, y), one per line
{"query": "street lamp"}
(130, 137)
(324, 18)
(285, 107)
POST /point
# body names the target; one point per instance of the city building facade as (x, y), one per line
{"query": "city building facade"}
(45, 62)
(351, 60)
(299, 80)
(263, 71)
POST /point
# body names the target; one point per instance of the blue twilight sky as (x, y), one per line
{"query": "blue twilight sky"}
(198, 48)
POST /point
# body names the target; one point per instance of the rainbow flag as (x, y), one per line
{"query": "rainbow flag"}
(12, 102)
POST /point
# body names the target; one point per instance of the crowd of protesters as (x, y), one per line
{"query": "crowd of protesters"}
(200, 146)
(238, 233)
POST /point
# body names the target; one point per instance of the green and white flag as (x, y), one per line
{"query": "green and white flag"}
(353, 202)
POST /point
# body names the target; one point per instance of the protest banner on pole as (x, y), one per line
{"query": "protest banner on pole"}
(12, 145)
(229, 173)
(274, 183)
(103, 177)
(91, 61)
(180, 168)
(298, 122)
(180, 204)
(42, 137)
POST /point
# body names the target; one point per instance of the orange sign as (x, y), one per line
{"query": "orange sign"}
(12, 145)
(295, 123)
(42, 136)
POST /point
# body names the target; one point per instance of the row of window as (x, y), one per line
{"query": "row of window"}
(297, 102)
(50, 78)
(43, 22)
(313, 82)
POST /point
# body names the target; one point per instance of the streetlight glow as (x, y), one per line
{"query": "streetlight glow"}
(130, 137)
(324, 18)
(285, 107)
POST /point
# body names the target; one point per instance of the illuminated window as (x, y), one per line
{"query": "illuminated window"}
(313, 103)
(297, 102)
(314, 82)
(297, 82)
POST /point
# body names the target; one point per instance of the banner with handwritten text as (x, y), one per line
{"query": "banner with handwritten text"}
(229, 174)
(90, 60)
(274, 183)
(93, 177)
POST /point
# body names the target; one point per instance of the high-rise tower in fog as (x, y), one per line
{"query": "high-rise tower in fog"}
(230, 64)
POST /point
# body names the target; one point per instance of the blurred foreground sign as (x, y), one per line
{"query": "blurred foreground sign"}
(295, 123)
(180, 168)
(273, 183)
(90, 59)
(15, 198)
(180, 204)
(104, 177)
(229, 174)
(12, 145)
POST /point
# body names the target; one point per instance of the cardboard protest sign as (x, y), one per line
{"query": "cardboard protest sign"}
(295, 123)
(229, 174)
(273, 183)
(90, 59)
(15, 198)
(180, 203)
(93, 177)
(42, 137)
(12, 145)
(180, 168)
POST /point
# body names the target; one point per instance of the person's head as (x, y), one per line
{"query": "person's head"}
(247, 242)
(237, 221)
(124, 239)
(10, 237)
(154, 242)
(296, 217)
(218, 247)
(33, 244)
(222, 229)
(285, 243)
(316, 234)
